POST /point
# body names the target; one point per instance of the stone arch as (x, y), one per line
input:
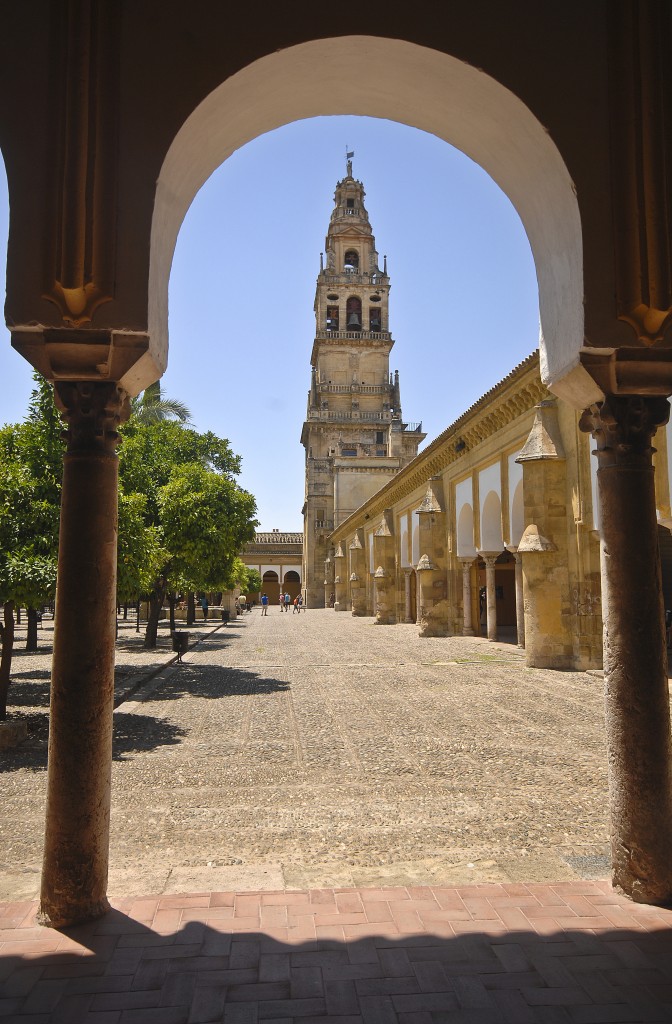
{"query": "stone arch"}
(401, 81)
(292, 583)
(491, 523)
(270, 584)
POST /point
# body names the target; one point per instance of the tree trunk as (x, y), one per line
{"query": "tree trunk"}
(18, 615)
(171, 605)
(191, 608)
(31, 637)
(156, 600)
(125, 612)
(6, 659)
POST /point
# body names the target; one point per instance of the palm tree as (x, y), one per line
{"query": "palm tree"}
(152, 407)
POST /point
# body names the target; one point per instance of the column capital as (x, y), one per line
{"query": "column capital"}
(93, 412)
(622, 426)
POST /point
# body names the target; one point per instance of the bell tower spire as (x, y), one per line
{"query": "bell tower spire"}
(353, 433)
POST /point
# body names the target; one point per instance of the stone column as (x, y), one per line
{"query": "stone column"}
(74, 877)
(357, 576)
(384, 578)
(434, 617)
(520, 599)
(490, 593)
(467, 628)
(383, 585)
(408, 611)
(549, 626)
(340, 585)
(635, 659)
(328, 582)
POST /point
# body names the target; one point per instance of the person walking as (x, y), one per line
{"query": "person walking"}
(288, 601)
(282, 602)
(204, 607)
(264, 604)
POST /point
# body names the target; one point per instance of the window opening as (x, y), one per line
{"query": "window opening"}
(351, 261)
(353, 313)
(332, 318)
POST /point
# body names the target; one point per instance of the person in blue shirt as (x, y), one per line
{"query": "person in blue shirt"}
(264, 604)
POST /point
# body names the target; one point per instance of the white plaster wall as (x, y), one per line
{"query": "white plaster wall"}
(415, 540)
(516, 508)
(490, 501)
(403, 539)
(464, 511)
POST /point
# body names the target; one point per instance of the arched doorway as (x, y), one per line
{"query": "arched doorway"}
(270, 585)
(292, 583)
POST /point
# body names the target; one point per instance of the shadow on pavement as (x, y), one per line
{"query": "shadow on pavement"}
(213, 682)
(210, 968)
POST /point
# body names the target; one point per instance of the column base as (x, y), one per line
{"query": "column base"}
(67, 917)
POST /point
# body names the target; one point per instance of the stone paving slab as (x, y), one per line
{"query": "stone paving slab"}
(566, 953)
(321, 750)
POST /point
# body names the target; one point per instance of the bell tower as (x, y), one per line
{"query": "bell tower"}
(354, 434)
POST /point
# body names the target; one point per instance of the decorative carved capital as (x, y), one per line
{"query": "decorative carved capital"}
(623, 426)
(93, 413)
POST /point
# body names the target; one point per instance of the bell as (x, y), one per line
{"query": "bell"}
(354, 322)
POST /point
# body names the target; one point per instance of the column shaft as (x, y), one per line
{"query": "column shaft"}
(467, 628)
(520, 602)
(635, 661)
(408, 617)
(74, 878)
(491, 597)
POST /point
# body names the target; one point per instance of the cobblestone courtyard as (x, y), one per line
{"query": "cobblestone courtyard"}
(322, 750)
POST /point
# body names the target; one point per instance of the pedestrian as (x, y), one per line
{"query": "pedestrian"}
(264, 604)
(299, 602)
(295, 603)
(281, 599)
(288, 601)
(204, 606)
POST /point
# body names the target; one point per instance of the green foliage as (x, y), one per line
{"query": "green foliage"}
(149, 455)
(206, 519)
(31, 455)
(252, 584)
(151, 407)
(29, 580)
(140, 555)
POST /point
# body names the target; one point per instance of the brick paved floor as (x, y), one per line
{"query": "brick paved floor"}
(573, 952)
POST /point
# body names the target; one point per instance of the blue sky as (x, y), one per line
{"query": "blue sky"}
(463, 302)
